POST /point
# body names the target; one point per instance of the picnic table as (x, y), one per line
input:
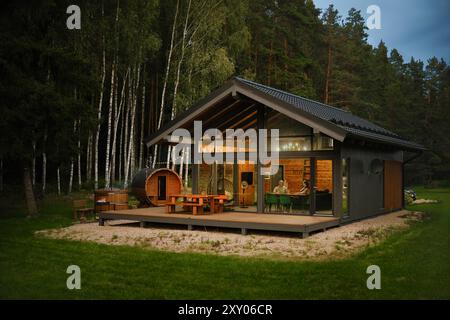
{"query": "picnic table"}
(195, 202)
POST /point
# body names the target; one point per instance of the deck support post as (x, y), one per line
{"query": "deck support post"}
(101, 222)
(305, 235)
(235, 181)
(190, 227)
(142, 224)
(195, 172)
(244, 231)
(261, 124)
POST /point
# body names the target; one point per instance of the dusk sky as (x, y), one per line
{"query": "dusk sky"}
(417, 28)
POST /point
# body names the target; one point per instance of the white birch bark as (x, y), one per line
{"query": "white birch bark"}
(131, 147)
(58, 180)
(177, 79)
(99, 115)
(141, 141)
(89, 158)
(166, 79)
(130, 153)
(108, 136)
(112, 102)
(121, 148)
(72, 162)
(117, 114)
(127, 120)
(79, 155)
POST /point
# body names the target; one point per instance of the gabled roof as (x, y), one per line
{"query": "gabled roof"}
(337, 123)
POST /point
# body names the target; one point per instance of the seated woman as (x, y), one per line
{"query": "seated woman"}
(304, 190)
(280, 188)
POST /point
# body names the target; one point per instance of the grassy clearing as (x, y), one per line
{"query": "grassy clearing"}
(414, 263)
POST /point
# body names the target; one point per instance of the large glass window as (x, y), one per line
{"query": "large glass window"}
(288, 191)
(322, 142)
(286, 144)
(324, 187)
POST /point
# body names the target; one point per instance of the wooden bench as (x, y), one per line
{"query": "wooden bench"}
(196, 207)
(80, 209)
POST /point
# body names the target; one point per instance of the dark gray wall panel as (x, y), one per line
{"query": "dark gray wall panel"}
(366, 188)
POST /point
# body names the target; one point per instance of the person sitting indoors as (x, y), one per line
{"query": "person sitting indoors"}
(280, 188)
(304, 190)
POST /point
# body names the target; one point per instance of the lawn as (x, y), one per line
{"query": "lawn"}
(415, 264)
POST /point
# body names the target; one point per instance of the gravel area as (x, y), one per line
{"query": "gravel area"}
(336, 242)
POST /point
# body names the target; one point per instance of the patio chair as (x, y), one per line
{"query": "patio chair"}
(271, 199)
(285, 203)
(80, 209)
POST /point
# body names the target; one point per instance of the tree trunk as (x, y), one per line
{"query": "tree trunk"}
(133, 132)
(166, 79)
(58, 180)
(121, 146)
(186, 168)
(89, 158)
(130, 154)
(328, 75)
(72, 162)
(141, 141)
(180, 169)
(117, 114)
(33, 164)
(79, 154)
(99, 116)
(1, 174)
(108, 137)
(44, 163)
(177, 79)
(29, 193)
(71, 176)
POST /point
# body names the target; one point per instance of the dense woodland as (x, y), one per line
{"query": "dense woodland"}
(77, 104)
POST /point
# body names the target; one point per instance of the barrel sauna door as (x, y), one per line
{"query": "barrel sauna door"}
(162, 186)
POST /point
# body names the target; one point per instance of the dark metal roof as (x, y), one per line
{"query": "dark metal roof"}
(354, 125)
(341, 123)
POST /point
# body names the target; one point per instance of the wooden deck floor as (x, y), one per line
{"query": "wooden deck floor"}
(239, 220)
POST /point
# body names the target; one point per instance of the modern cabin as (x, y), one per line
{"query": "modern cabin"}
(331, 162)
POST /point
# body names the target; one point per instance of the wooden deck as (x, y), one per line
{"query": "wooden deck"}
(238, 220)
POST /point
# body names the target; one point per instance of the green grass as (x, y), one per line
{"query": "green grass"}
(414, 264)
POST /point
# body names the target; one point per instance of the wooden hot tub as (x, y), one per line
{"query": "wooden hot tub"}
(110, 199)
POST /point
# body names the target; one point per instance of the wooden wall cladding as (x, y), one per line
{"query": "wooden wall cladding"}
(393, 193)
(324, 175)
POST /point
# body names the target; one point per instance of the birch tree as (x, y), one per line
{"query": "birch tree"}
(100, 104)
(166, 79)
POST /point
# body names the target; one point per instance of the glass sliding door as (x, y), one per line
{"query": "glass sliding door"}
(323, 187)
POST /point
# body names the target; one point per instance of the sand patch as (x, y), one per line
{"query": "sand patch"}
(424, 201)
(336, 242)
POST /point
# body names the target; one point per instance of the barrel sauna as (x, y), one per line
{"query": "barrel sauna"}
(153, 187)
(110, 199)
